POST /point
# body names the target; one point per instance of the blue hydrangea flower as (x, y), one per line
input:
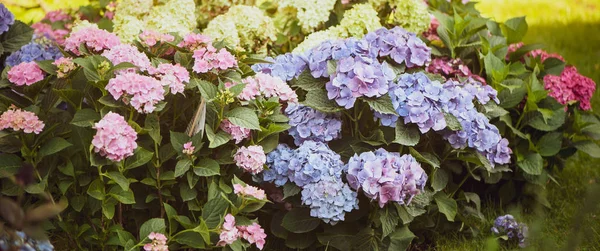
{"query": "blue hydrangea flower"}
(400, 45)
(329, 199)
(34, 51)
(386, 177)
(310, 124)
(507, 225)
(312, 162)
(278, 161)
(6, 19)
(286, 66)
(24, 243)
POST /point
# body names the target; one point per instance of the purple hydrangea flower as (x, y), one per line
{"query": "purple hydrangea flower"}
(286, 66)
(6, 19)
(310, 124)
(34, 52)
(386, 177)
(400, 45)
(507, 225)
(278, 162)
(329, 199)
(21, 241)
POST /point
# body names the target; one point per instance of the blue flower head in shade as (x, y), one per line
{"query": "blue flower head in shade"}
(310, 124)
(329, 199)
(507, 225)
(6, 19)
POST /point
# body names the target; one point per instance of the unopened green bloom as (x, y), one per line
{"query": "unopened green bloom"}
(310, 13)
(360, 20)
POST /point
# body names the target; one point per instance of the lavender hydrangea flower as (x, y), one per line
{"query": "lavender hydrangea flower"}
(310, 124)
(385, 176)
(6, 19)
(34, 51)
(400, 45)
(286, 66)
(329, 199)
(507, 225)
(278, 162)
(312, 162)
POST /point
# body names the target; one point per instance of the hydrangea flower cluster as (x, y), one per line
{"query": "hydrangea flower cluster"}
(267, 86)
(278, 161)
(95, 40)
(329, 199)
(253, 233)
(310, 14)
(359, 20)
(194, 41)
(238, 133)
(42, 29)
(431, 32)
(172, 75)
(25, 243)
(318, 37)
(386, 177)
(452, 69)
(34, 51)
(252, 158)
(310, 124)
(188, 148)
(208, 58)
(57, 15)
(6, 19)
(411, 15)
(130, 54)
(151, 38)
(114, 139)
(571, 86)
(64, 66)
(286, 66)
(26, 73)
(507, 225)
(249, 191)
(159, 242)
(20, 120)
(142, 92)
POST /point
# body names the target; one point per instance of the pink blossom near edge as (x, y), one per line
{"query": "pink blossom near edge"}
(26, 73)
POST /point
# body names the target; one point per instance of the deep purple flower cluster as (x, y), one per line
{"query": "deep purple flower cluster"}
(421, 101)
(310, 124)
(34, 51)
(6, 19)
(507, 225)
(318, 171)
(386, 176)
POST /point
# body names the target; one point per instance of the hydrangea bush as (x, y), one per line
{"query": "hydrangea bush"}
(313, 125)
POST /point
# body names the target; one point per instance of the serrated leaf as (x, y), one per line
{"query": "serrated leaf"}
(318, 100)
(207, 167)
(389, 220)
(290, 189)
(207, 89)
(18, 34)
(156, 225)
(243, 117)
(140, 157)
(123, 196)
(53, 146)
(182, 167)
(440, 180)
(452, 122)
(589, 147)
(298, 220)
(120, 179)
(307, 82)
(550, 144)
(213, 211)
(96, 190)
(401, 238)
(382, 105)
(426, 157)
(446, 205)
(85, 118)
(407, 135)
(532, 163)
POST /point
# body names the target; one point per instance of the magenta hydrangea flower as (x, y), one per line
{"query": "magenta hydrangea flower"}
(26, 73)
(20, 120)
(188, 148)
(254, 234)
(194, 41)
(268, 86)
(209, 58)
(57, 15)
(159, 242)
(114, 139)
(142, 92)
(237, 132)
(452, 69)
(252, 158)
(249, 191)
(45, 30)
(173, 76)
(571, 86)
(95, 39)
(229, 232)
(64, 66)
(151, 38)
(127, 53)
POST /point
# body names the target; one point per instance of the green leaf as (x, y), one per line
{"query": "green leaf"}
(495, 68)
(514, 29)
(426, 157)
(152, 124)
(340, 236)
(18, 34)
(401, 239)
(191, 239)
(184, 59)
(120, 179)
(186, 192)
(108, 209)
(331, 66)
(298, 220)
(78, 202)
(122, 66)
(407, 135)
(85, 118)
(366, 240)
(9, 165)
(207, 89)
(53, 146)
(156, 225)
(389, 220)
(513, 94)
(452, 122)
(300, 241)
(532, 163)
(47, 66)
(243, 117)
(182, 167)
(109, 101)
(217, 139)
(140, 157)
(207, 167)
(307, 82)
(290, 189)
(446, 205)
(272, 129)
(550, 144)
(382, 105)
(589, 147)
(554, 66)
(546, 124)
(440, 180)
(492, 110)
(178, 139)
(72, 96)
(318, 100)
(96, 190)
(123, 196)
(213, 211)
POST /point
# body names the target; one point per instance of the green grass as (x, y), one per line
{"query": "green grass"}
(572, 29)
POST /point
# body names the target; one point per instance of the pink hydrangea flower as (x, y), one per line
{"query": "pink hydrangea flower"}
(248, 190)
(194, 41)
(535, 53)
(254, 234)
(20, 120)
(95, 40)
(452, 68)
(26, 73)
(188, 148)
(45, 30)
(127, 53)
(151, 38)
(57, 15)
(229, 233)
(173, 76)
(251, 159)
(237, 132)
(159, 242)
(114, 139)
(431, 33)
(64, 65)
(208, 58)
(110, 10)
(268, 86)
(142, 92)
(571, 86)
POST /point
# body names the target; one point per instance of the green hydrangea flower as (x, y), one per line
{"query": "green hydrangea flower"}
(360, 20)
(318, 37)
(412, 15)
(309, 13)
(209, 9)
